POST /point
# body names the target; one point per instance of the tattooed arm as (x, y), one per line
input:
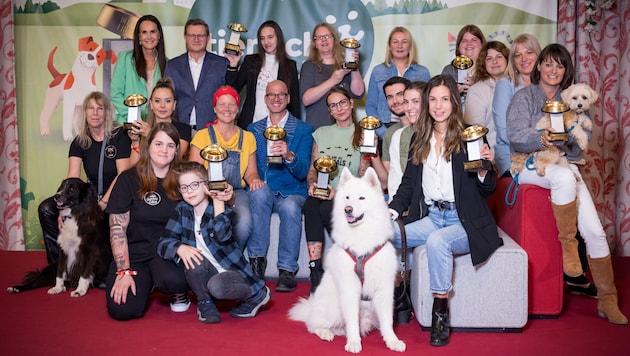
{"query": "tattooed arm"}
(120, 250)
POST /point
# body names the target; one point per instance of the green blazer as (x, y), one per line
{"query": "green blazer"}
(125, 82)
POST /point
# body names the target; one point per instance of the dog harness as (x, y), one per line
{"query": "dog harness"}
(359, 264)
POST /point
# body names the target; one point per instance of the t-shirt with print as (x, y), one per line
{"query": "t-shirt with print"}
(118, 147)
(336, 143)
(148, 215)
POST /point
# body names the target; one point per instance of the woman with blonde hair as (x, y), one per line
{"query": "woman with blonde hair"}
(324, 70)
(401, 60)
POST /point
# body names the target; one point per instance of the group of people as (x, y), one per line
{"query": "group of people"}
(169, 230)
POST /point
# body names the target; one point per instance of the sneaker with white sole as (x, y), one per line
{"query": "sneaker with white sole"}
(180, 302)
(207, 312)
(249, 308)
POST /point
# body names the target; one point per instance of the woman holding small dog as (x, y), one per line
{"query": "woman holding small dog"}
(446, 205)
(138, 70)
(102, 149)
(139, 209)
(339, 141)
(553, 73)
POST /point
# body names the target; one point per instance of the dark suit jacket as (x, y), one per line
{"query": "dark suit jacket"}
(470, 200)
(214, 74)
(248, 76)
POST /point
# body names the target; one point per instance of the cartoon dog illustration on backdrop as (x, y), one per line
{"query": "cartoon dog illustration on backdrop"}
(71, 88)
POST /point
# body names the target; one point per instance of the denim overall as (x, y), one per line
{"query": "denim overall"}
(232, 165)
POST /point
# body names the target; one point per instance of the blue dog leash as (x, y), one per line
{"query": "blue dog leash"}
(513, 187)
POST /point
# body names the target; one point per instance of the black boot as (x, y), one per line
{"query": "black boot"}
(580, 285)
(317, 271)
(259, 265)
(402, 304)
(48, 215)
(440, 329)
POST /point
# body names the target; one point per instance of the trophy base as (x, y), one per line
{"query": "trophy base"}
(558, 136)
(217, 185)
(232, 49)
(321, 192)
(128, 125)
(478, 165)
(350, 65)
(368, 149)
(274, 159)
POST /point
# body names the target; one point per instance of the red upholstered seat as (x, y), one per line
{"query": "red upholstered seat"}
(530, 222)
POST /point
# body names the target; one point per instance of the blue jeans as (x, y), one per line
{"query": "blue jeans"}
(243, 217)
(444, 236)
(263, 203)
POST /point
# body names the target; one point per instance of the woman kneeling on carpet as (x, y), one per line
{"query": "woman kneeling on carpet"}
(447, 205)
(199, 235)
(138, 211)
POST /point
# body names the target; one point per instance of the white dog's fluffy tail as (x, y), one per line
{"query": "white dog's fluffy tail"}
(301, 310)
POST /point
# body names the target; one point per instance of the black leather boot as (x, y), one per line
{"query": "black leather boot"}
(317, 272)
(402, 304)
(259, 265)
(48, 215)
(440, 329)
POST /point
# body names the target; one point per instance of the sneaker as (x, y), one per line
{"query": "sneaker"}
(207, 312)
(249, 308)
(317, 272)
(286, 281)
(580, 285)
(180, 302)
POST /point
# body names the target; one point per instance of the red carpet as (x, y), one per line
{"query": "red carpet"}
(35, 323)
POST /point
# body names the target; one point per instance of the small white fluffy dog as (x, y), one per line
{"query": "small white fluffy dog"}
(356, 294)
(579, 98)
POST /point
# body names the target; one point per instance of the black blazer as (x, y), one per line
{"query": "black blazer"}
(470, 200)
(248, 76)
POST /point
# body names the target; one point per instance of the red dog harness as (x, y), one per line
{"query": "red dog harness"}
(360, 261)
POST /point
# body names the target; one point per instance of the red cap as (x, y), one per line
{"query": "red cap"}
(226, 90)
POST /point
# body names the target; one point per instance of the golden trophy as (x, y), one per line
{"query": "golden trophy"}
(556, 110)
(273, 134)
(215, 155)
(369, 124)
(134, 104)
(324, 166)
(233, 46)
(350, 44)
(473, 136)
(462, 63)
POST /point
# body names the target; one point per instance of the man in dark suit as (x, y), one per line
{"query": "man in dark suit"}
(197, 74)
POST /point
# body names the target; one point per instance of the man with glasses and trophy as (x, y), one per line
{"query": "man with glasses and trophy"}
(197, 75)
(283, 155)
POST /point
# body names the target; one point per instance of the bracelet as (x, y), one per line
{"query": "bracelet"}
(136, 148)
(129, 271)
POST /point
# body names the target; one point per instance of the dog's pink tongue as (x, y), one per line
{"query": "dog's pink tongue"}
(350, 219)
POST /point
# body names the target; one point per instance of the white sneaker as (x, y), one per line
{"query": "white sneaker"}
(180, 302)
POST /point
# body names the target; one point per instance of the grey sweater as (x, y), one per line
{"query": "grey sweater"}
(522, 116)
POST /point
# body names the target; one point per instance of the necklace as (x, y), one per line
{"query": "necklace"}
(551, 97)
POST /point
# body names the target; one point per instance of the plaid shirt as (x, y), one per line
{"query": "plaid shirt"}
(217, 235)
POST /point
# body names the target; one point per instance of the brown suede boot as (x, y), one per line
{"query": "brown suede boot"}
(607, 303)
(566, 220)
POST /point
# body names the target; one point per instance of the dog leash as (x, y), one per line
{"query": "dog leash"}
(513, 187)
(403, 257)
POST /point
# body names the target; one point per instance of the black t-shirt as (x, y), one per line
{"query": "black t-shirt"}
(147, 215)
(118, 147)
(183, 130)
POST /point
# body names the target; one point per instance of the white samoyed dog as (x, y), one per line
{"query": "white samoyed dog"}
(356, 294)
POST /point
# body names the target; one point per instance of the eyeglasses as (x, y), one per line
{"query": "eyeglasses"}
(183, 188)
(343, 103)
(322, 37)
(274, 96)
(196, 37)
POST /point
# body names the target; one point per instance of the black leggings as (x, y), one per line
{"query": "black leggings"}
(165, 275)
(317, 217)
